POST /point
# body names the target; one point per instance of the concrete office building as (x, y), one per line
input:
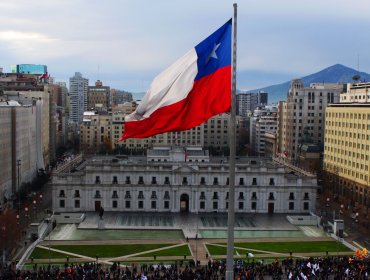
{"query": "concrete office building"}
(78, 87)
(305, 107)
(347, 142)
(127, 184)
(18, 141)
(18, 88)
(98, 94)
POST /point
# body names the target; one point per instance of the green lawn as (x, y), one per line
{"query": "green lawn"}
(219, 250)
(177, 251)
(103, 251)
(295, 247)
(40, 253)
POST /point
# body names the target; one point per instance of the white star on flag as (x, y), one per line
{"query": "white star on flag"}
(213, 52)
(290, 275)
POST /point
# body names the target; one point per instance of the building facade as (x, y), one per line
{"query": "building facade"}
(305, 107)
(29, 69)
(347, 148)
(98, 94)
(78, 87)
(121, 97)
(128, 184)
(17, 143)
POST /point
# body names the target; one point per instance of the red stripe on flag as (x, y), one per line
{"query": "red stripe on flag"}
(210, 96)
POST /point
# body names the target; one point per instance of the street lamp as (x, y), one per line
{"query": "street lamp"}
(19, 196)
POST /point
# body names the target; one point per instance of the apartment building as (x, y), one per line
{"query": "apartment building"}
(305, 107)
(78, 87)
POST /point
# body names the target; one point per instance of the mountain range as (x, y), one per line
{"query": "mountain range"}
(337, 73)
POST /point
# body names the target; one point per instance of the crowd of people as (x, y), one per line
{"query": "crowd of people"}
(299, 269)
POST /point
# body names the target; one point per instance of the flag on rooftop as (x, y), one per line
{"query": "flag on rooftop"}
(189, 92)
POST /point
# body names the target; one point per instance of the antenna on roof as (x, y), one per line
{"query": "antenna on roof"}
(98, 70)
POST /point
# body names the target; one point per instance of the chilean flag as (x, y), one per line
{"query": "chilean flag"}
(189, 92)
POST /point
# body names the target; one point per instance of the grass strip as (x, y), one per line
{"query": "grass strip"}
(171, 252)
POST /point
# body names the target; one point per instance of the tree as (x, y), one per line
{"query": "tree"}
(10, 231)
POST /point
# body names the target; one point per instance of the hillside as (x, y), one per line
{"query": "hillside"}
(334, 74)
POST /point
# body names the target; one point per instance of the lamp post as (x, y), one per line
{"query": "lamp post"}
(196, 240)
(19, 196)
(34, 206)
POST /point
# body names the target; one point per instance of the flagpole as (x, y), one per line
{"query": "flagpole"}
(231, 208)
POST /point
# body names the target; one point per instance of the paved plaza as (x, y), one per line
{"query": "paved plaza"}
(143, 226)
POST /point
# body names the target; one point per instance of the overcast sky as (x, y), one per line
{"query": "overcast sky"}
(134, 41)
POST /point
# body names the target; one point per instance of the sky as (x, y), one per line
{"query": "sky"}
(126, 44)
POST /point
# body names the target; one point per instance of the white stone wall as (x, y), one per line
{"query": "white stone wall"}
(84, 182)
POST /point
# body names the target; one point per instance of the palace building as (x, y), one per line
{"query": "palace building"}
(175, 178)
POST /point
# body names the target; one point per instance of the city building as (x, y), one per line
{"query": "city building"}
(20, 145)
(248, 102)
(121, 97)
(52, 80)
(78, 87)
(29, 69)
(65, 93)
(347, 142)
(98, 94)
(134, 184)
(214, 132)
(25, 86)
(263, 120)
(270, 144)
(305, 107)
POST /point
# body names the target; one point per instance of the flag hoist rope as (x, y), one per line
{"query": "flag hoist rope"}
(231, 208)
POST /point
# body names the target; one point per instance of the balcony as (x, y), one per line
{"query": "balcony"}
(114, 182)
(153, 196)
(115, 196)
(140, 196)
(202, 197)
(291, 197)
(166, 196)
(227, 197)
(97, 181)
(241, 197)
(141, 182)
(184, 183)
(127, 182)
(254, 184)
(241, 183)
(97, 196)
(154, 182)
(215, 183)
(166, 182)
(306, 198)
(202, 183)
(62, 195)
(76, 195)
(254, 198)
(127, 196)
(271, 184)
(215, 197)
(271, 198)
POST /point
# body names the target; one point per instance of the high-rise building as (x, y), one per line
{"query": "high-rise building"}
(78, 87)
(304, 109)
(347, 146)
(29, 69)
(248, 102)
(63, 85)
(98, 94)
(15, 87)
(20, 143)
